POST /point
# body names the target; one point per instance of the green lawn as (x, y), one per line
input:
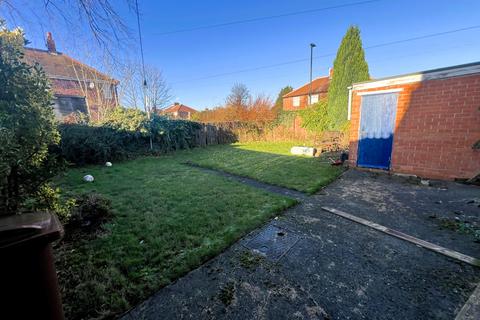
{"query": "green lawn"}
(267, 162)
(169, 218)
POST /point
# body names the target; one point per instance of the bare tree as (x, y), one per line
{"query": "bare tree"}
(129, 93)
(158, 92)
(101, 16)
(131, 87)
(98, 88)
(239, 96)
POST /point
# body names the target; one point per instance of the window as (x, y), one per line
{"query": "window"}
(296, 101)
(65, 105)
(107, 91)
(314, 99)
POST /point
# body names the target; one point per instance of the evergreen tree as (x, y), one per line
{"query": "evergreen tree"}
(278, 107)
(349, 67)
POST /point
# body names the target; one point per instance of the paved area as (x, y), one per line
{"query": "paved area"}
(316, 265)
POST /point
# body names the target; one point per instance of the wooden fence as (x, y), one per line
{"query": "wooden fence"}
(229, 132)
(210, 134)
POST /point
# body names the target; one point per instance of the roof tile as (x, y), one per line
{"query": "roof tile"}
(319, 85)
(62, 66)
(179, 107)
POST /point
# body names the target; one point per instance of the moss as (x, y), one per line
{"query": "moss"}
(249, 260)
(227, 294)
(461, 227)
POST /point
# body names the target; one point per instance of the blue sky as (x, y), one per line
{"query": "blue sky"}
(187, 58)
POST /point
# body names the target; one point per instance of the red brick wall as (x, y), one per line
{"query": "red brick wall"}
(288, 102)
(94, 96)
(437, 122)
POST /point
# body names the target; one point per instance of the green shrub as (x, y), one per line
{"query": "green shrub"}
(315, 117)
(169, 135)
(90, 210)
(27, 125)
(284, 118)
(84, 144)
(125, 119)
(49, 199)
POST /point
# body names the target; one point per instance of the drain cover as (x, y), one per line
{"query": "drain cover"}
(273, 242)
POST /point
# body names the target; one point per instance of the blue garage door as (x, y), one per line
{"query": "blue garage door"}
(377, 123)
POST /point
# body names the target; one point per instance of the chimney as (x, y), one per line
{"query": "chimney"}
(330, 73)
(51, 44)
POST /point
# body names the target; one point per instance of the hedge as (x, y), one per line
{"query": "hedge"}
(84, 144)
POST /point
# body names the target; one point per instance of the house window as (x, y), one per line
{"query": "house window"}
(314, 99)
(107, 91)
(296, 101)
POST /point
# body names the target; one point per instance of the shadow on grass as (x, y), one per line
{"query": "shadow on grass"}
(269, 163)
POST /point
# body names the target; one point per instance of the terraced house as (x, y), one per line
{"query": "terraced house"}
(76, 86)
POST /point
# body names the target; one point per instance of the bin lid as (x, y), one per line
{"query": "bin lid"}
(29, 228)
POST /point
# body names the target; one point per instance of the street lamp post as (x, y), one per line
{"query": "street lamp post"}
(312, 45)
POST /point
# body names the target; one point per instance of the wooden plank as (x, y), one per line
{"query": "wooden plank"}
(422, 243)
(471, 309)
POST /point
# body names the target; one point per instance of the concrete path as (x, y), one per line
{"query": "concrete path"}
(311, 264)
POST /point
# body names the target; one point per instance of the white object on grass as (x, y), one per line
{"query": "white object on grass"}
(88, 178)
(108, 164)
(305, 151)
(425, 182)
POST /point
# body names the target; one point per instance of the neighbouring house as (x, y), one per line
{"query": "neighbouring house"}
(425, 123)
(179, 111)
(298, 98)
(76, 86)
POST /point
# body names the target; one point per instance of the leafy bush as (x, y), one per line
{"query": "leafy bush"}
(90, 210)
(84, 144)
(49, 199)
(27, 125)
(315, 117)
(284, 118)
(169, 135)
(125, 119)
(77, 117)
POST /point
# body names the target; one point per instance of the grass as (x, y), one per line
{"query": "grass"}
(169, 218)
(268, 162)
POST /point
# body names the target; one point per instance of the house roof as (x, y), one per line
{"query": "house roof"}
(452, 71)
(179, 107)
(319, 85)
(60, 66)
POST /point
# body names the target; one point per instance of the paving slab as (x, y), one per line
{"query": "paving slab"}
(337, 269)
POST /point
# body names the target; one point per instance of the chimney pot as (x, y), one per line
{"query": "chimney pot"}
(51, 44)
(330, 73)
(177, 103)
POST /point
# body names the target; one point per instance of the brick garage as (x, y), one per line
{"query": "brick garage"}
(435, 124)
